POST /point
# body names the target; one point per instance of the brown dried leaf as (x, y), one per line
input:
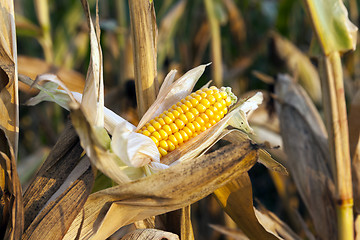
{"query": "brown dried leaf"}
(154, 234)
(233, 233)
(170, 189)
(298, 64)
(11, 208)
(305, 143)
(32, 67)
(236, 199)
(59, 190)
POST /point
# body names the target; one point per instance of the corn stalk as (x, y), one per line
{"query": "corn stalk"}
(336, 34)
(144, 33)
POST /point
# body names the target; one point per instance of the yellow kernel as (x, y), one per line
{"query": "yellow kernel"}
(180, 124)
(212, 122)
(173, 127)
(194, 102)
(223, 94)
(205, 102)
(204, 117)
(151, 129)
(167, 120)
(191, 127)
(173, 139)
(223, 102)
(183, 118)
(162, 151)
(214, 109)
(188, 131)
(199, 91)
(193, 94)
(217, 96)
(194, 111)
(188, 98)
(152, 121)
(197, 125)
(179, 104)
(222, 114)
(209, 113)
(167, 129)
(208, 125)
(189, 104)
(201, 108)
(218, 105)
(225, 110)
(161, 121)
(215, 89)
(156, 125)
(203, 129)
(161, 115)
(155, 140)
(209, 92)
(174, 106)
(228, 101)
(146, 125)
(163, 144)
(183, 101)
(200, 121)
(184, 108)
(198, 97)
(178, 137)
(179, 109)
(184, 135)
(211, 99)
(163, 134)
(195, 134)
(190, 117)
(174, 113)
(157, 135)
(203, 95)
(217, 117)
(170, 145)
(146, 133)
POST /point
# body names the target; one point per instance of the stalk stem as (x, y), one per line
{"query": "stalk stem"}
(336, 118)
(215, 42)
(143, 31)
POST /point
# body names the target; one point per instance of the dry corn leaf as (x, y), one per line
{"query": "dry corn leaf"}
(356, 177)
(154, 234)
(59, 189)
(236, 199)
(274, 225)
(186, 226)
(32, 67)
(305, 143)
(167, 190)
(298, 64)
(11, 208)
(232, 233)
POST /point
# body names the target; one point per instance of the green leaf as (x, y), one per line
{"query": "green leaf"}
(332, 25)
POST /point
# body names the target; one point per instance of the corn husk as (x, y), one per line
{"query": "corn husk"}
(143, 234)
(59, 189)
(171, 189)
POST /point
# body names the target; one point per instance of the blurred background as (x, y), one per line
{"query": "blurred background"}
(249, 43)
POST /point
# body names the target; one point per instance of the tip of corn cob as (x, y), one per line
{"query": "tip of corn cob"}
(189, 117)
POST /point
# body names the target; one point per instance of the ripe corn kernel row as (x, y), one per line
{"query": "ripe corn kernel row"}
(186, 119)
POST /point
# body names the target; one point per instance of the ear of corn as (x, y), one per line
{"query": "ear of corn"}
(189, 117)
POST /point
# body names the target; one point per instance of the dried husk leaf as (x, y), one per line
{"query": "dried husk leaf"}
(185, 222)
(171, 189)
(11, 208)
(305, 143)
(155, 234)
(32, 67)
(274, 225)
(300, 65)
(59, 189)
(11, 205)
(93, 94)
(233, 233)
(356, 177)
(236, 199)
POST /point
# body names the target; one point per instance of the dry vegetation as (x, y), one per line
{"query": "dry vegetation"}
(60, 177)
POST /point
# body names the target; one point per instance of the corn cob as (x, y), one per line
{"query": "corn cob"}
(189, 117)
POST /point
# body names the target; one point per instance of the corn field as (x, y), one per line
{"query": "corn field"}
(175, 119)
